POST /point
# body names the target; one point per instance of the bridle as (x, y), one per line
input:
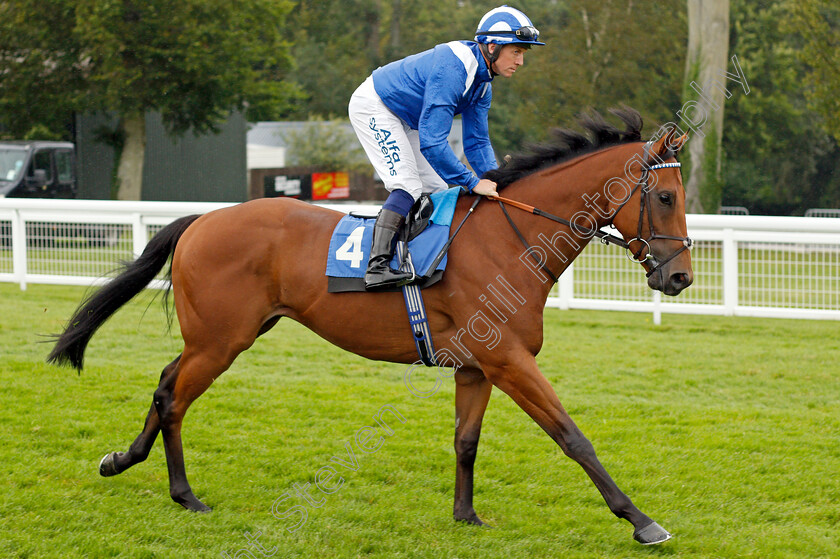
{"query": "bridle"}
(655, 265)
(645, 204)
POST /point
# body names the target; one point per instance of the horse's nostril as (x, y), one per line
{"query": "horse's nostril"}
(680, 280)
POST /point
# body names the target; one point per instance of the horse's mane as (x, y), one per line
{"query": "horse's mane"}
(568, 144)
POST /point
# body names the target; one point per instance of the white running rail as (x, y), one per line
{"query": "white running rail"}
(781, 267)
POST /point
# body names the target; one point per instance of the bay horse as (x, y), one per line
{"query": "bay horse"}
(236, 271)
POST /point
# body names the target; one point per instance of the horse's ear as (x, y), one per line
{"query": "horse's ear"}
(678, 143)
(670, 142)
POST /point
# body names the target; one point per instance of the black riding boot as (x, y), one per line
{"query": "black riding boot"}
(386, 230)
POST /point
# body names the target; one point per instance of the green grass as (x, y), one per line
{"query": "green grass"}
(724, 430)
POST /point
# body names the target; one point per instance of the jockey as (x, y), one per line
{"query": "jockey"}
(403, 114)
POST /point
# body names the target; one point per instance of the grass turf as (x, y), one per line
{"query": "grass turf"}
(724, 430)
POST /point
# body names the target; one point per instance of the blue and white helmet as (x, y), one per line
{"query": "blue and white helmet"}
(505, 25)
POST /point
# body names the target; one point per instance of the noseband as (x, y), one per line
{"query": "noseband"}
(654, 263)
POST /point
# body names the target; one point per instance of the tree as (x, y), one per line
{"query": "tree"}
(41, 72)
(817, 22)
(340, 42)
(329, 145)
(778, 158)
(708, 49)
(597, 55)
(192, 61)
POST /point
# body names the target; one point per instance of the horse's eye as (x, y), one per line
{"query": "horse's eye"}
(665, 198)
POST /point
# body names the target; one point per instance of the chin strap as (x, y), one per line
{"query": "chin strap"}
(490, 56)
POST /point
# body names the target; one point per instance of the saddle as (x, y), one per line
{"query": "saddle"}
(422, 244)
(415, 222)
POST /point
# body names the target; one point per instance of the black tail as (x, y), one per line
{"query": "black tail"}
(101, 304)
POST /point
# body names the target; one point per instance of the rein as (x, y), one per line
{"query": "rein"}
(605, 238)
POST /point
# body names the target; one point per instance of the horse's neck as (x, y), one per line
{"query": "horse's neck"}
(574, 185)
(573, 191)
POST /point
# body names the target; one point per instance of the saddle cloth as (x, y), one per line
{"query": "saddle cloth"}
(351, 240)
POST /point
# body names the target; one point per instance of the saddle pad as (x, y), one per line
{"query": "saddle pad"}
(350, 242)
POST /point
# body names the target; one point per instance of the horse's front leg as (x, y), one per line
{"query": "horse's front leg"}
(472, 392)
(531, 391)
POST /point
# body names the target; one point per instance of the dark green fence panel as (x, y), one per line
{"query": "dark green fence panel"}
(209, 168)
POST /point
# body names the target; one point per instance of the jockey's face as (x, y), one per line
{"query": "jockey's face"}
(510, 58)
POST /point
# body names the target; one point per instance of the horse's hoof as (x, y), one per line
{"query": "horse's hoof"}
(191, 503)
(472, 519)
(107, 468)
(201, 507)
(651, 534)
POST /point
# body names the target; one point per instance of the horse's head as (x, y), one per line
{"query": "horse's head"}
(652, 219)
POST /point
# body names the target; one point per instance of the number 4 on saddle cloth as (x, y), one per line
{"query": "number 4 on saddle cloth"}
(427, 236)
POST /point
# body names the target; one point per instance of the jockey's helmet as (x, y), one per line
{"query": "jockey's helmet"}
(504, 26)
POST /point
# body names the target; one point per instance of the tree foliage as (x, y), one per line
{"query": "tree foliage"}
(192, 61)
(778, 158)
(294, 60)
(329, 145)
(42, 73)
(340, 42)
(817, 23)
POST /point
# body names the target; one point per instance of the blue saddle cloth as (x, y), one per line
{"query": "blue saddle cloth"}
(351, 240)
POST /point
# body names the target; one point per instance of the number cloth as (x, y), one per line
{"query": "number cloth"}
(352, 237)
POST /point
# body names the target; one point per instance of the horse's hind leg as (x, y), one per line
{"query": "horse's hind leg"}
(193, 375)
(118, 462)
(472, 392)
